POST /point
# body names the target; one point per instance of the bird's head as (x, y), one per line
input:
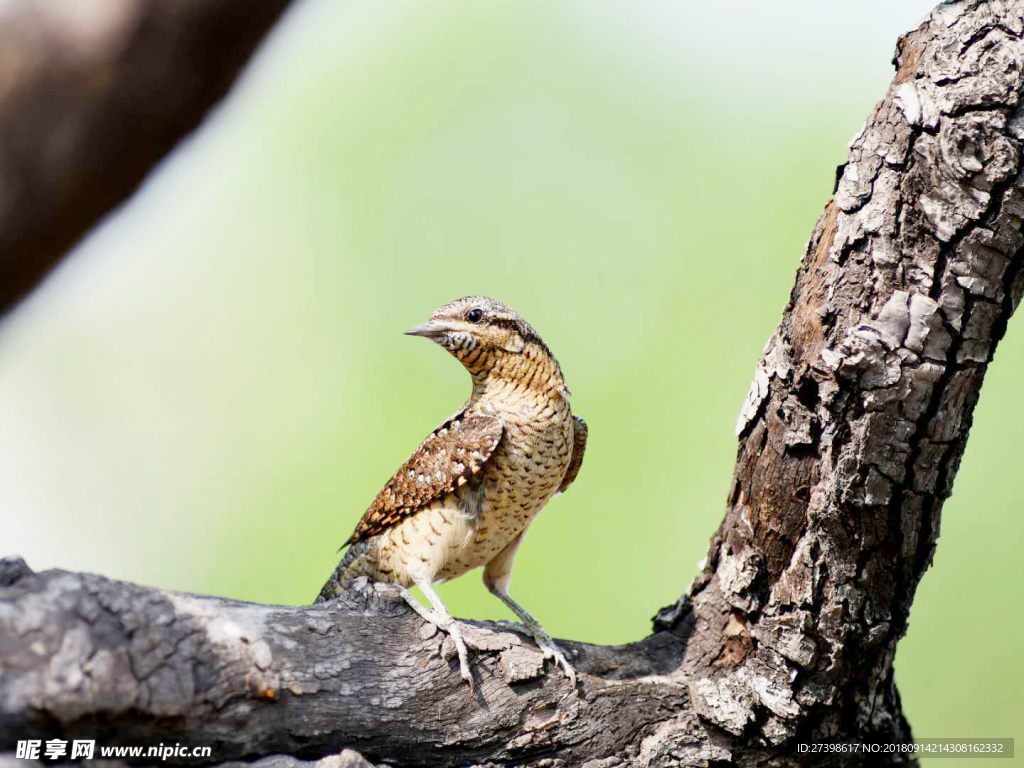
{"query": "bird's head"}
(490, 339)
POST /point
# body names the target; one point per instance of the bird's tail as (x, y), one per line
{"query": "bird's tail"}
(346, 570)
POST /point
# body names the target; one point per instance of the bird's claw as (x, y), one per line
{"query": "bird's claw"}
(548, 647)
(552, 651)
(449, 625)
(454, 630)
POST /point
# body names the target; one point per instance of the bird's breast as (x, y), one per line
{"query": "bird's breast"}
(470, 527)
(527, 466)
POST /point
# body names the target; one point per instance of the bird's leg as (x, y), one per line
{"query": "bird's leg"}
(427, 615)
(443, 620)
(544, 641)
(496, 578)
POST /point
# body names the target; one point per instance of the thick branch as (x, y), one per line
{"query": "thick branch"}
(131, 665)
(93, 93)
(849, 442)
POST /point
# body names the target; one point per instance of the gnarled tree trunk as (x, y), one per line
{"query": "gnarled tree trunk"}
(848, 444)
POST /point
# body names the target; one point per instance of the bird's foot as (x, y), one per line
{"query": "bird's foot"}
(547, 645)
(454, 630)
(448, 625)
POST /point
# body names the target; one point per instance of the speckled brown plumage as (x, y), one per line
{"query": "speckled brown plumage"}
(446, 460)
(579, 445)
(465, 498)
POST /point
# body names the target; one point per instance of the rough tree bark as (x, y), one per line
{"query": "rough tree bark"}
(848, 444)
(93, 93)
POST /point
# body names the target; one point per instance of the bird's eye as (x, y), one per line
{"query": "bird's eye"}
(475, 315)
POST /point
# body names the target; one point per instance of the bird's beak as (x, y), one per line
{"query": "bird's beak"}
(431, 329)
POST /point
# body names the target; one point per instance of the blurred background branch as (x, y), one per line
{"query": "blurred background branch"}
(93, 94)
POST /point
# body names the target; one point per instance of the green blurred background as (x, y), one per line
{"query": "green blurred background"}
(210, 393)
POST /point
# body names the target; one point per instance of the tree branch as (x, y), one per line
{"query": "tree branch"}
(849, 442)
(93, 94)
(133, 665)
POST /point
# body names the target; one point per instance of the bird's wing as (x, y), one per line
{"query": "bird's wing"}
(579, 447)
(447, 459)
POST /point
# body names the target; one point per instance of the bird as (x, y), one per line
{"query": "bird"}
(467, 495)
